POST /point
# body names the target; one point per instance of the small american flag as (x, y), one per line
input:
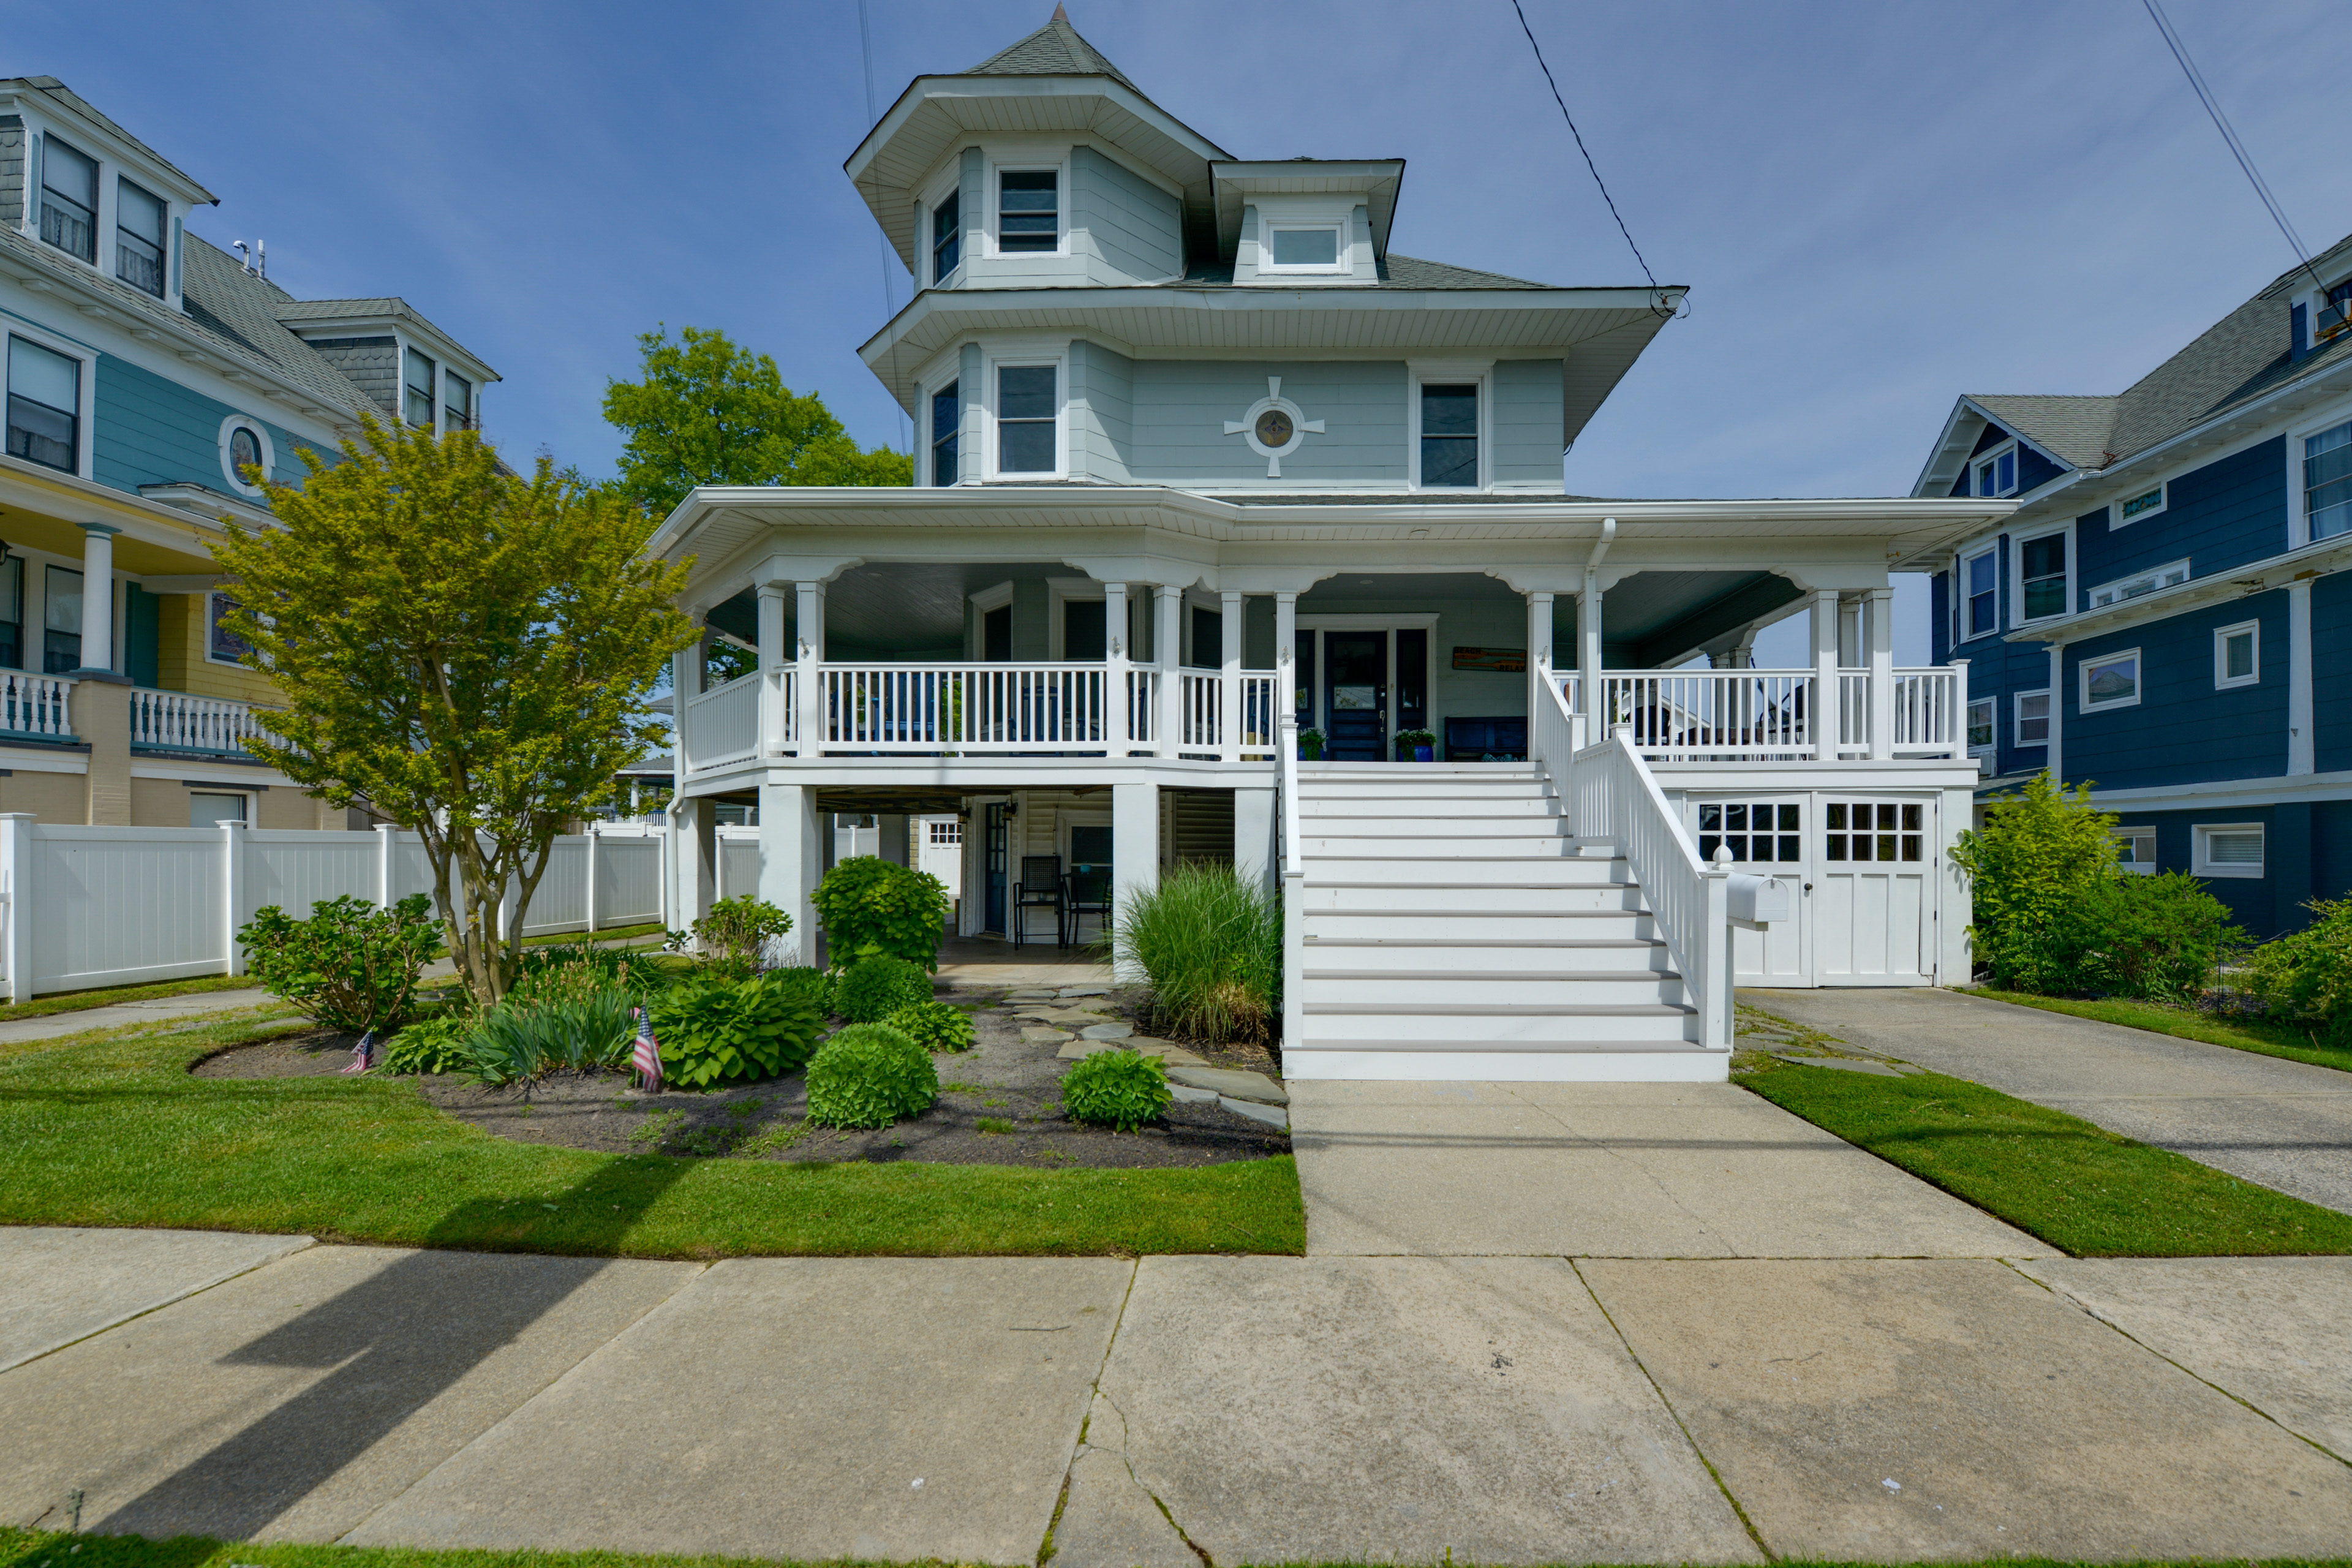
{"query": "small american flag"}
(364, 1054)
(647, 1059)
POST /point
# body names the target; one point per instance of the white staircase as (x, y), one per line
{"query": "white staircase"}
(1451, 926)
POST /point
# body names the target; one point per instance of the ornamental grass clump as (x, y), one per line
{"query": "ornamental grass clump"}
(518, 1041)
(1118, 1088)
(1211, 942)
(872, 989)
(870, 1075)
(934, 1026)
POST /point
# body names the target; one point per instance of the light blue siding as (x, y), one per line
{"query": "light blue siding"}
(1134, 227)
(1102, 413)
(1527, 421)
(153, 431)
(1181, 406)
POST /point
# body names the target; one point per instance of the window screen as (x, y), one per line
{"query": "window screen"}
(1025, 419)
(69, 200)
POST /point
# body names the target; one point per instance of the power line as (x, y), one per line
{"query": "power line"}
(889, 280)
(2228, 133)
(1572, 131)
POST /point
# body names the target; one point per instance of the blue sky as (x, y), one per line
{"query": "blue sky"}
(1877, 206)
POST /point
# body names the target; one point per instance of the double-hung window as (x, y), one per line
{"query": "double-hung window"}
(1449, 436)
(2041, 576)
(44, 407)
(2116, 593)
(1995, 471)
(2327, 481)
(1980, 611)
(139, 237)
(458, 401)
(1981, 724)
(947, 431)
(418, 385)
(2136, 850)
(60, 620)
(2033, 718)
(1028, 210)
(947, 237)
(69, 201)
(1025, 440)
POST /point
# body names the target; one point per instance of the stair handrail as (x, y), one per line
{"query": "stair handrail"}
(1289, 737)
(1555, 731)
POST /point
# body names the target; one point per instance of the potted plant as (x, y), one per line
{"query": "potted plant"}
(1416, 745)
(1310, 745)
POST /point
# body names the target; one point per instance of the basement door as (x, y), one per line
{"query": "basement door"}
(1865, 866)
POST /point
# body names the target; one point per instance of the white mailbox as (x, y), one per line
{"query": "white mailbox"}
(1757, 901)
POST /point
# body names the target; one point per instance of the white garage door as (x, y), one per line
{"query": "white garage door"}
(1865, 870)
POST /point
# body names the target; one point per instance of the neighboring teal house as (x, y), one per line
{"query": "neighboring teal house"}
(1204, 461)
(146, 371)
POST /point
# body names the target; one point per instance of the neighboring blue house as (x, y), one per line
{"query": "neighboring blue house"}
(2154, 617)
(146, 373)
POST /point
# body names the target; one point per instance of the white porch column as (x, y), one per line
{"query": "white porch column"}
(684, 684)
(810, 652)
(2055, 760)
(1229, 675)
(1882, 672)
(97, 597)
(2301, 739)
(1167, 650)
(1539, 602)
(791, 861)
(1134, 856)
(1850, 634)
(1286, 661)
(1825, 706)
(1115, 722)
(1588, 659)
(774, 723)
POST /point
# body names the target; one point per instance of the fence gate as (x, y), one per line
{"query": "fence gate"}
(1866, 870)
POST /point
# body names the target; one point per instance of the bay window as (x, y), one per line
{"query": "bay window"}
(947, 431)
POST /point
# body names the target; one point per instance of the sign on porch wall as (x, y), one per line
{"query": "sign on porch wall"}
(1501, 661)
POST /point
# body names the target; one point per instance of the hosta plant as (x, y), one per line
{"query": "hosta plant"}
(870, 1075)
(1118, 1089)
(430, 1045)
(733, 1031)
(872, 989)
(934, 1026)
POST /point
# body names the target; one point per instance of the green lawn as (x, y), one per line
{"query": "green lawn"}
(2238, 1034)
(2075, 1185)
(108, 1129)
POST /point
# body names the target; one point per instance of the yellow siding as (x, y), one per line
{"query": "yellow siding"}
(181, 663)
(52, 797)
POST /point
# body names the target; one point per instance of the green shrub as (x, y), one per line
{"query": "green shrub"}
(515, 1040)
(600, 968)
(431, 1044)
(2159, 939)
(2305, 977)
(713, 1029)
(2039, 853)
(870, 1075)
(1211, 942)
(870, 907)
(934, 1026)
(872, 989)
(1119, 1088)
(814, 984)
(738, 938)
(350, 965)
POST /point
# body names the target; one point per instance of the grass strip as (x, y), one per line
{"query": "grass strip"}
(2253, 1035)
(37, 1548)
(108, 1129)
(2079, 1187)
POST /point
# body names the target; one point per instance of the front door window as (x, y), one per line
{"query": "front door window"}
(1355, 695)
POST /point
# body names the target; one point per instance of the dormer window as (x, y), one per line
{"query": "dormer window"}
(458, 401)
(69, 201)
(2335, 312)
(947, 237)
(418, 385)
(1997, 472)
(1029, 210)
(139, 237)
(1301, 248)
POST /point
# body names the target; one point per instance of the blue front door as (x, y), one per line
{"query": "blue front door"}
(992, 849)
(1356, 696)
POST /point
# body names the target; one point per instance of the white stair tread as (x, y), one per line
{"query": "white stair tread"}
(1579, 1045)
(1498, 1009)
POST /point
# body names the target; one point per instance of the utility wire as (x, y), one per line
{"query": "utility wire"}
(889, 280)
(1572, 131)
(2228, 133)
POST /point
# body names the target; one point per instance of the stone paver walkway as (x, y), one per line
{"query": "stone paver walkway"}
(2282, 1124)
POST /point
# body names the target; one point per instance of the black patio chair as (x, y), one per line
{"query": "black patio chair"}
(1040, 888)
(1089, 894)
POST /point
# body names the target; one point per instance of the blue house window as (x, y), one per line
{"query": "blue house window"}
(1028, 215)
(947, 425)
(44, 407)
(2041, 565)
(1981, 595)
(2326, 480)
(1449, 437)
(947, 237)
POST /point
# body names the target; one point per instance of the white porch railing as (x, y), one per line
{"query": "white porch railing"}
(178, 721)
(722, 724)
(1712, 715)
(962, 708)
(36, 705)
(1200, 714)
(1142, 704)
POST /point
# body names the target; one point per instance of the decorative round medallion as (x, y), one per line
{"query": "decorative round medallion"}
(1274, 427)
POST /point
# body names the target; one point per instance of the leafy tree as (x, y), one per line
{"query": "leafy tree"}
(2039, 852)
(465, 650)
(709, 413)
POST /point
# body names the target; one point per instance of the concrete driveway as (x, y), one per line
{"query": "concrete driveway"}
(2282, 1124)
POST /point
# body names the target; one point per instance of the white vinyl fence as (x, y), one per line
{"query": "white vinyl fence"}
(84, 907)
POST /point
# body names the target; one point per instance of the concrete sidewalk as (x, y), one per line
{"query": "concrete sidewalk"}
(2278, 1123)
(1248, 1409)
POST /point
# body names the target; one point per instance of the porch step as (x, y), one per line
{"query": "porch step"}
(1339, 957)
(1431, 899)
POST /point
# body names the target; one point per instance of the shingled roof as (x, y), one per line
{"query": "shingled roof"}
(58, 92)
(1054, 49)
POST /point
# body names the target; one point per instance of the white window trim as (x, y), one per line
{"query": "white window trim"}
(2017, 543)
(1992, 455)
(1962, 564)
(990, 365)
(953, 185)
(2153, 577)
(2222, 680)
(2146, 867)
(1968, 723)
(2298, 515)
(1061, 590)
(2201, 864)
(925, 392)
(205, 632)
(992, 193)
(2017, 718)
(231, 425)
(982, 601)
(1342, 265)
(2116, 518)
(86, 417)
(1482, 373)
(2083, 703)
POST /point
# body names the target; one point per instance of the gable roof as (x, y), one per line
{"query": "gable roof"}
(2074, 430)
(1054, 49)
(67, 99)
